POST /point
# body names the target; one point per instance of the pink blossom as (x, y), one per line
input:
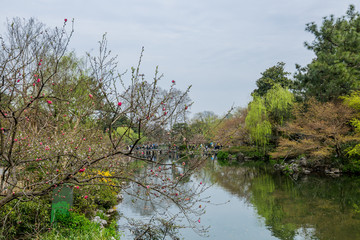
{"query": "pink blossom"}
(173, 81)
(77, 187)
(49, 102)
(38, 80)
(90, 95)
(65, 20)
(86, 196)
(147, 186)
(199, 220)
(119, 104)
(183, 163)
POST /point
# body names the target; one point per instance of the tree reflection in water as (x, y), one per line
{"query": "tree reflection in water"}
(312, 207)
(167, 199)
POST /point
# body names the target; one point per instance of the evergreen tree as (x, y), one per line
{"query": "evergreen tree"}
(335, 70)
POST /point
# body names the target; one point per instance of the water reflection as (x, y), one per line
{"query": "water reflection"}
(264, 205)
(161, 197)
(313, 207)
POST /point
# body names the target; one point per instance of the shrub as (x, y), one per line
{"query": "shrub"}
(183, 147)
(77, 226)
(25, 218)
(222, 155)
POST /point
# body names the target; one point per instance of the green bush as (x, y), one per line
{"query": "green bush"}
(25, 218)
(222, 155)
(353, 166)
(183, 147)
(77, 226)
(248, 151)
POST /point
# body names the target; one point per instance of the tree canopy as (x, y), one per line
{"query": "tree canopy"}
(335, 70)
(271, 76)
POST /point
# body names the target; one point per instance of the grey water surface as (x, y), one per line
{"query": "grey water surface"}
(256, 203)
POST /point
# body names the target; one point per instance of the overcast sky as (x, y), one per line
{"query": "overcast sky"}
(220, 47)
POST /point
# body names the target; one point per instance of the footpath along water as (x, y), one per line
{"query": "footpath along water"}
(264, 205)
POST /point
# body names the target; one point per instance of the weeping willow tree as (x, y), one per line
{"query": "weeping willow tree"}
(257, 123)
(268, 112)
(278, 102)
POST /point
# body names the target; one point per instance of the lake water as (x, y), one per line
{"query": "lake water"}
(256, 203)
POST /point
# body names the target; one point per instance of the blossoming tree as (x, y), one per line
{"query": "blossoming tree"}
(58, 119)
